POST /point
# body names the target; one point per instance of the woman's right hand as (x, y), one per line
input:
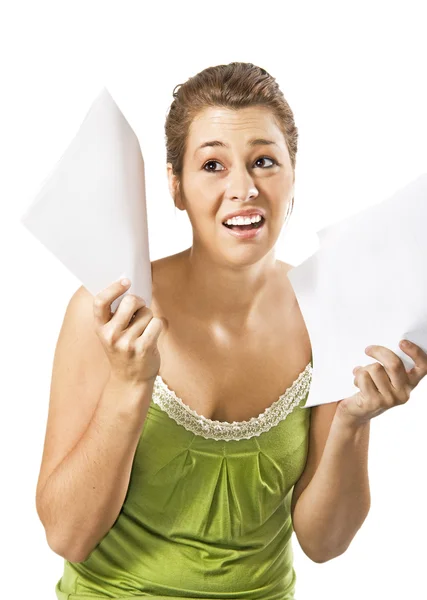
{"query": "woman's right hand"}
(129, 337)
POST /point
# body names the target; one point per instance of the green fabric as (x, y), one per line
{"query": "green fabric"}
(202, 518)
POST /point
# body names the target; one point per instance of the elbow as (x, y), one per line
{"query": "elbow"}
(322, 558)
(74, 555)
(59, 546)
(323, 555)
(327, 554)
(337, 547)
(70, 556)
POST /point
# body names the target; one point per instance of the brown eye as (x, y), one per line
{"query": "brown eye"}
(209, 163)
(267, 158)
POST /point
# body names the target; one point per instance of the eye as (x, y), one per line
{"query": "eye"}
(258, 159)
(267, 158)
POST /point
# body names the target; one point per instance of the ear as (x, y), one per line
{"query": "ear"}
(174, 187)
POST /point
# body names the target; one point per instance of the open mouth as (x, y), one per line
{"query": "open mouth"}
(246, 227)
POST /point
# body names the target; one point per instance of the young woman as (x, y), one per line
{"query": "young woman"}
(178, 458)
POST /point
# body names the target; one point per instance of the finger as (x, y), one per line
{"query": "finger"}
(420, 359)
(364, 379)
(372, 400)
(381, 381)
(150, 335)
(128, 306)
(392, 364)
(138, 323)
(103, 300)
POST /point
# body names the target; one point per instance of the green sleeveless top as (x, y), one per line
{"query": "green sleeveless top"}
(207, 511)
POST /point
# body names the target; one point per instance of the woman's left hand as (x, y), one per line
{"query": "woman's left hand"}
(382, 387)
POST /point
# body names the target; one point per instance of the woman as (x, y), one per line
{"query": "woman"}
(189, 483)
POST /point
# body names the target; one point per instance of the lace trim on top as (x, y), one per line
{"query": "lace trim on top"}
(168, 401)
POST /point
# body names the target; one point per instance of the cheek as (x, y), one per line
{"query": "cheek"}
(202, 214)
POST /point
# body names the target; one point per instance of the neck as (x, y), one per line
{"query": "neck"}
(220, 293)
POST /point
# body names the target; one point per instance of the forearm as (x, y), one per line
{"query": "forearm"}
(84, 495)
(335, 504)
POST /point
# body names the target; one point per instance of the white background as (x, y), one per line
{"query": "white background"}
(354, 74)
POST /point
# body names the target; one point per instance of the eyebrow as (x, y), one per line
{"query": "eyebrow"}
(254, 142)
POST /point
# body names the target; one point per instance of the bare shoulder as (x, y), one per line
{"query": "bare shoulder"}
(163, 268)
(166, 276)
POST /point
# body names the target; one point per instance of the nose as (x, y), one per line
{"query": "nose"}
(241, 185)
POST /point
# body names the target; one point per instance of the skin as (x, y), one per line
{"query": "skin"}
(226, 297)
(228, 277)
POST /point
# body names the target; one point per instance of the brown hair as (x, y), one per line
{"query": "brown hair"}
(236, 85)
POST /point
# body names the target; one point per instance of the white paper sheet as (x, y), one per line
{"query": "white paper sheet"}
(366, 285)
(91, 210)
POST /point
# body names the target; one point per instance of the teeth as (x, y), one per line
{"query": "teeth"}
(243, 220)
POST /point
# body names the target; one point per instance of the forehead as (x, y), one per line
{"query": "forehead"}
(241, 124)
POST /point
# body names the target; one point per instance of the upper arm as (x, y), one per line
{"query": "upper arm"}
(320, 424)
(79, 374)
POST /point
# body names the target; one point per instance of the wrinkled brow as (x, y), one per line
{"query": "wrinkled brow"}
(254, 142)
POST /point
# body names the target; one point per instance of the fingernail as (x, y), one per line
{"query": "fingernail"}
(405, 343)
(125, 282)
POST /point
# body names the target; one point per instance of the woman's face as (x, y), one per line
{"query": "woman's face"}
(230, 174)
